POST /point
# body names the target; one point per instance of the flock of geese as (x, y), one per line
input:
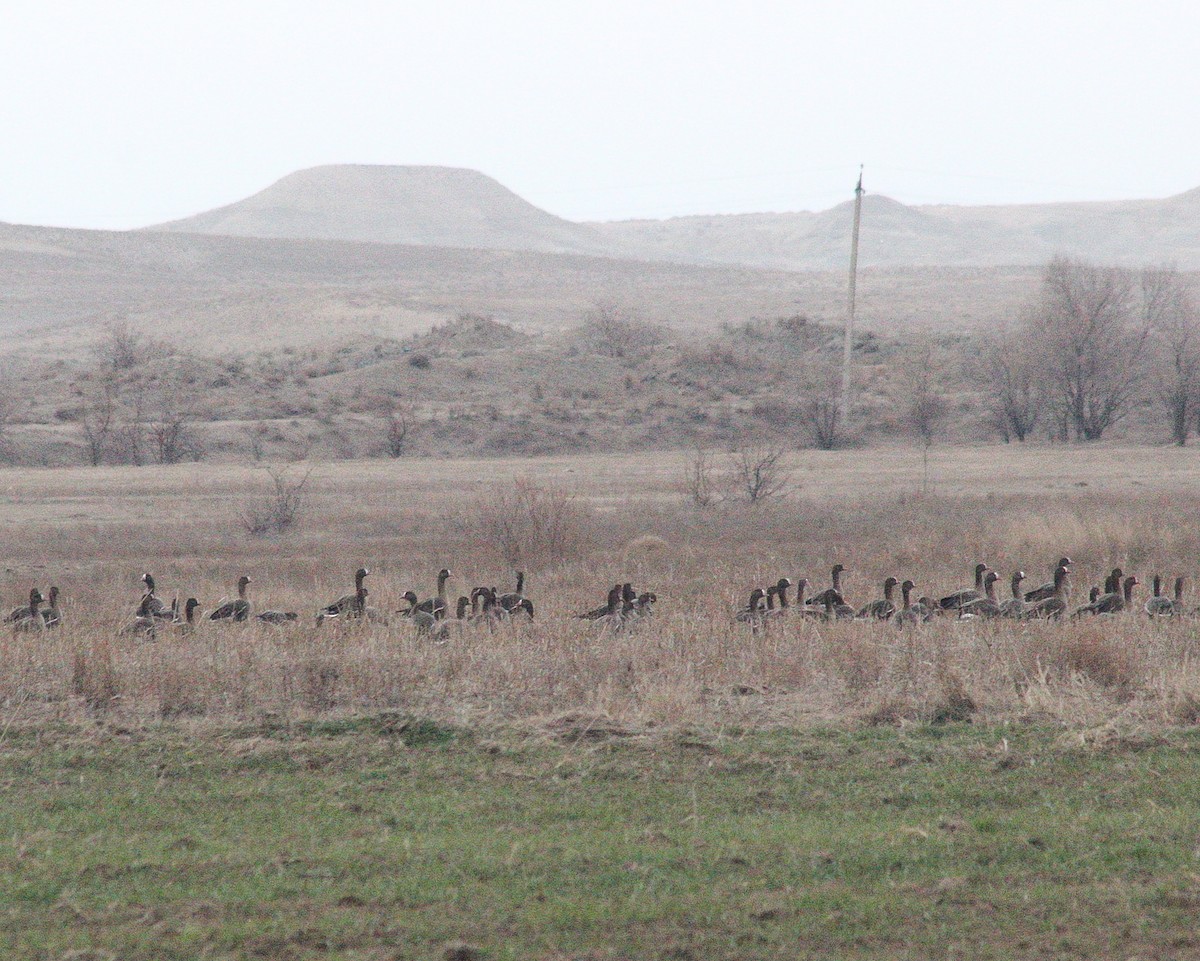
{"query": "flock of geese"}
(624, 609)
(432, 615)
(1050, 601)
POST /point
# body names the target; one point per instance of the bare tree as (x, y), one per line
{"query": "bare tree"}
(923, 406)
(120, 348)
(129, 438)
(1171, 312)
(280, 509)
(398, 420)
(532, 527)
(611, 332)
(170, 428)
(1093, 343)
(820, 406)
(758, 472)
(1007, 371)
(697, 483)
(96, 420)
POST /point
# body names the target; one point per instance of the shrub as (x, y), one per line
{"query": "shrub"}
(531, 526)
(279, 510)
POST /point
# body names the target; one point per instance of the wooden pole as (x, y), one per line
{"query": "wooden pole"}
(849, 344)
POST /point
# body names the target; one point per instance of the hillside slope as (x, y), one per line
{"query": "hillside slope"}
(429, 206)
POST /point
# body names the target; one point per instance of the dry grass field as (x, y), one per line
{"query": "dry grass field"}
(548, 790)
(93, 533)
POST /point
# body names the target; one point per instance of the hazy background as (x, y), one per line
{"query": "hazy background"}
(124, 114)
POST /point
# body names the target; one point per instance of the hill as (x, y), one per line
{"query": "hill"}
(449, 207)
(223, 294)
(429, 206)
(1129, 232)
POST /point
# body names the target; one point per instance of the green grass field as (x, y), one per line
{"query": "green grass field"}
(389, 838)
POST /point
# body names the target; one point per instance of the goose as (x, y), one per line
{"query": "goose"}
(51, 615)
(885, 607)
(1048, 590)
(614, 615)
(486, 609)
(835, 576)
(153, 605)
(955, 601)
(752, 613)
(1015, 605)
(26, 611)
(28, 619)
(1159, 606)
(238, 610)
(1093, 594)
(1113, 602)
(143, 625)
(354, 611)
(600, 612)
(986, 606)
(909, 613)
(277, 617)
(1054, 605)
(1112, 583)
(188, 624)
(411, 598)
(512, 600)
(347, 603)
(437, 605)
(777, 590)
(803, 608)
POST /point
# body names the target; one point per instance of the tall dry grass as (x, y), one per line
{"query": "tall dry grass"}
(690, 665)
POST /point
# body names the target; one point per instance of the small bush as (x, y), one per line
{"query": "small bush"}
(278, 511)
(532, 527)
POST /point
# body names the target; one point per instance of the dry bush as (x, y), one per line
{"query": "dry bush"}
(532, 527)
(94, 676)
(278, 511)
(1083, 652)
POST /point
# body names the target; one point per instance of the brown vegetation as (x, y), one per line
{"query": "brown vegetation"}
(582, 526)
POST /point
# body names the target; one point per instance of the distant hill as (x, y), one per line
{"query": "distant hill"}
(1129, 232)
(429, 206)
(451, 207)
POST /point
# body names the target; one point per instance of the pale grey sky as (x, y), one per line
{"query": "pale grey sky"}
(119, 114)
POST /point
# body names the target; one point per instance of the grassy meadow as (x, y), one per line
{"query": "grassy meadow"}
(547, 790)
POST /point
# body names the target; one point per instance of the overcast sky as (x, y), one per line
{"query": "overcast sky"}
(119, 114)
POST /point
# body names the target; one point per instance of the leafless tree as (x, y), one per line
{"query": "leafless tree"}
(531, 527)
(398, 419)
(610, 332)
(120, 348)
(1093, 342)
(280, 509)
(256, 436)
(1172, 315)
(923, 405)
(698, 485)
(1007, 371)
(129, 437)
(758, 472)
(170, 427)
(96, 419)
(820, 404)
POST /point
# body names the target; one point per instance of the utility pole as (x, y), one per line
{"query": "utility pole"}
(849, 345)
